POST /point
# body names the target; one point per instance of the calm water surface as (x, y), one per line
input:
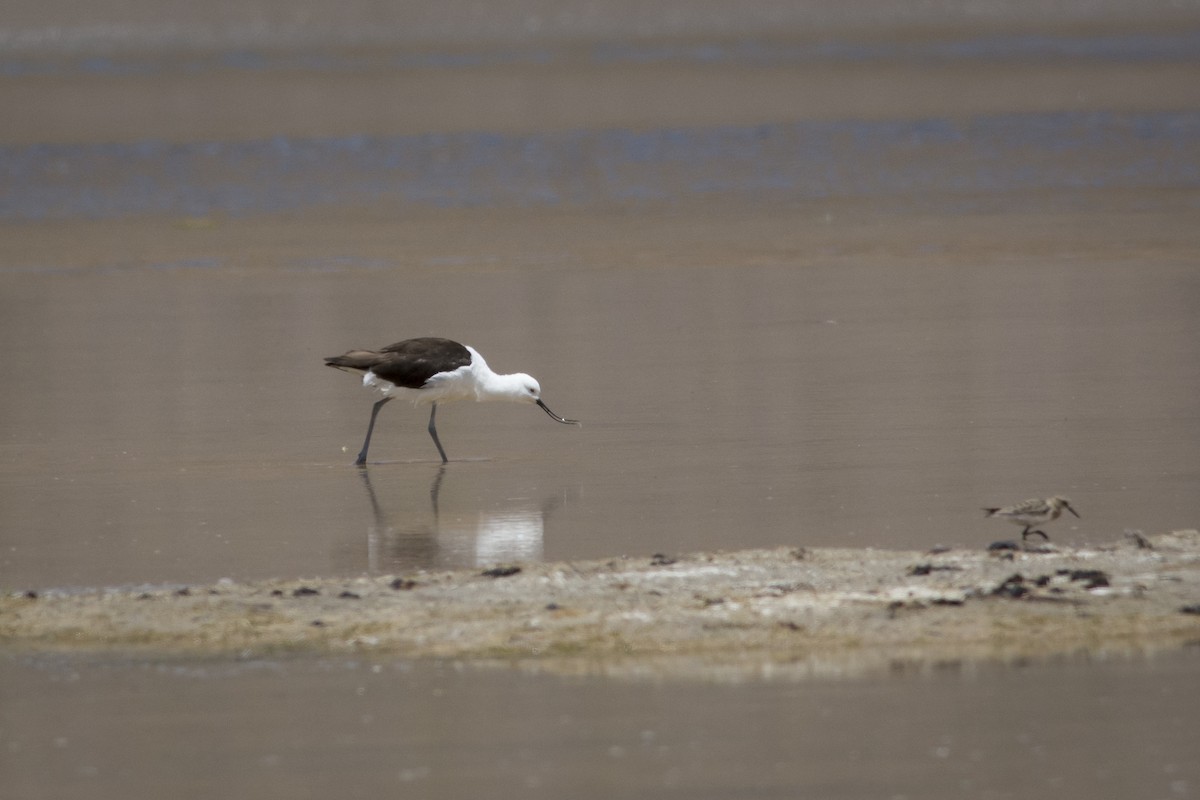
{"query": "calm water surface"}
(841, 285)
(1075, 728)
(178, 425)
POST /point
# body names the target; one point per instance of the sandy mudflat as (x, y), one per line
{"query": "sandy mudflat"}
(757, 607)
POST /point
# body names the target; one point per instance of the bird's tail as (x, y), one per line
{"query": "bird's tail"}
(987, 512)
(354, 361)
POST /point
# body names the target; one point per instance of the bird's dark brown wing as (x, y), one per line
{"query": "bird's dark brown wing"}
(431, 347)
(409, 363)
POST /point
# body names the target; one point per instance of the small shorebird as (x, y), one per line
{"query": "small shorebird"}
(431, 371)
(1032, 513)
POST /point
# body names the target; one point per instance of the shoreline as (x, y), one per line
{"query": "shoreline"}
(751, 611)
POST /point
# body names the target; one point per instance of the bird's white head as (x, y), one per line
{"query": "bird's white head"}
(515, 388)
(521, 388)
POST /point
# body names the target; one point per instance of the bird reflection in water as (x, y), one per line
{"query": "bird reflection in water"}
(406, 538)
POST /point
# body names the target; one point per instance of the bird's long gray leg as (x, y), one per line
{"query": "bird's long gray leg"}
(361, 461)
(433, 433)
(435, 489)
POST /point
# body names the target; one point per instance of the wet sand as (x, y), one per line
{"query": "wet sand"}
(740, 612)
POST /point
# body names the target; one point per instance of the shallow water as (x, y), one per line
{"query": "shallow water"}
(868, 285)
(177, 425)
(1073, 728)
(819, 275)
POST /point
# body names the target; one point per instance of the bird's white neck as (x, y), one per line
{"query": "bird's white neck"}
(491, 385)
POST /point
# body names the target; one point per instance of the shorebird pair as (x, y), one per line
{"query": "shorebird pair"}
(429, 371)
(1033, 513)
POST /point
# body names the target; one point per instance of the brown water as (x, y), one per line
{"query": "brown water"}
(176, 424)
(828, 279)
(1077, 728)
